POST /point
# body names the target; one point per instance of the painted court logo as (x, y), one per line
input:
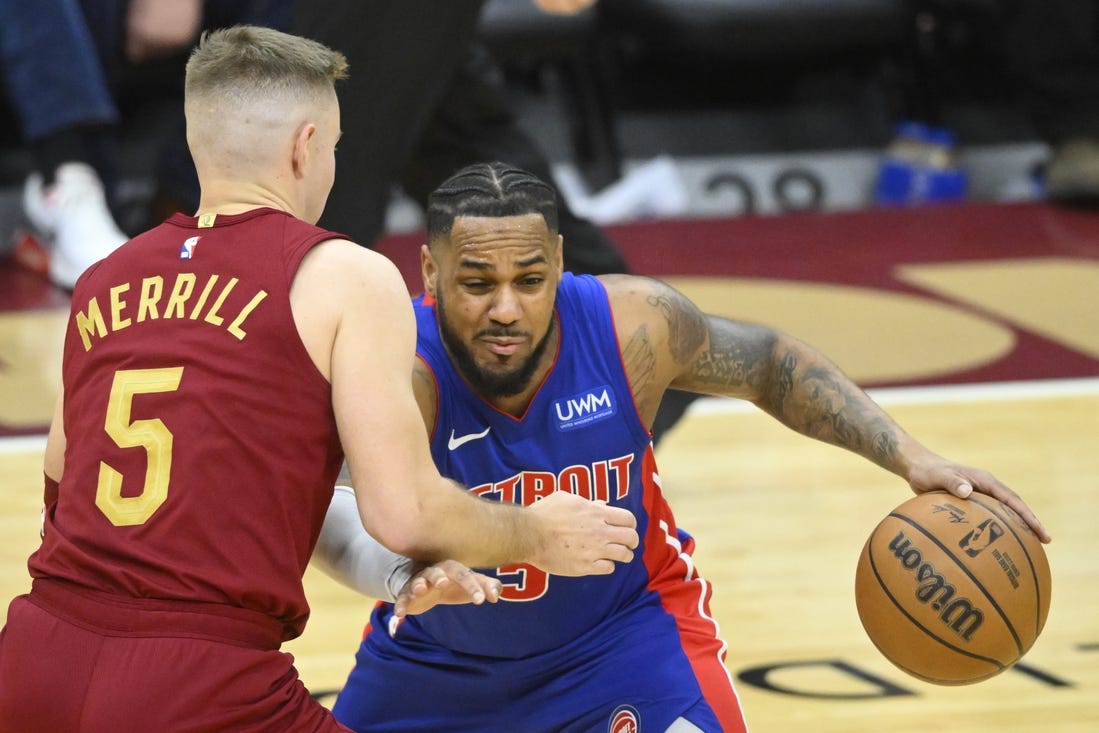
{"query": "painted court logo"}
(624, 719)
(584, 409)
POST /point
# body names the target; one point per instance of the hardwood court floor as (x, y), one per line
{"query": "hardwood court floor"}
(977, 328)
(780, 521)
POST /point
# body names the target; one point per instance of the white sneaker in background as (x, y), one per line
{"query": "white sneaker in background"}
(651, 190)
(72, 216)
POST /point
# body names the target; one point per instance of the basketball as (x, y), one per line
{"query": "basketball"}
(952, 591)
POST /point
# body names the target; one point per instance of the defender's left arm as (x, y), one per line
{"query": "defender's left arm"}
(667, 341)
(348, 554)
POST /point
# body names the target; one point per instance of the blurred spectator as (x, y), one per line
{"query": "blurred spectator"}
(1054, 49)
(423, 100)
(63, 62)
(60, 94)
(1044, 54)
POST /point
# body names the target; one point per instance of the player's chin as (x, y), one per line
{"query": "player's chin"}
(502, 365)
(500, 372)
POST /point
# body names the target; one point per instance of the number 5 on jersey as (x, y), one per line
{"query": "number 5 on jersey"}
(522, 582)
(151, 434)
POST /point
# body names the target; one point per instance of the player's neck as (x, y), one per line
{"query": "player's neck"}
(236, 197)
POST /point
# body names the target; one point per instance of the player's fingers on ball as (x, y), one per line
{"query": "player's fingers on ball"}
(962, 489)
(1039, 529)
(1020, 508)
(1003, 494)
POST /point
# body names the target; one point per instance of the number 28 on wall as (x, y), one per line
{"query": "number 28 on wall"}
(150, 434)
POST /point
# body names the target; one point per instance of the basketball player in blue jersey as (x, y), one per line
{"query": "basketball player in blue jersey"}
(533, 381)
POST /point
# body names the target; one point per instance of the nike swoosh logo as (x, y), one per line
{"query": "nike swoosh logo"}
(454, 442)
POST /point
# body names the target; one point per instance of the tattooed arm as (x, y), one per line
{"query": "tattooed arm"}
(668, 342)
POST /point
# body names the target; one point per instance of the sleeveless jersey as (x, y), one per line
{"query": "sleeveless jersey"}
(201, 442)
(580, 433)
(633, 650)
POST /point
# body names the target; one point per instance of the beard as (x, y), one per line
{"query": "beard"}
(488, 383)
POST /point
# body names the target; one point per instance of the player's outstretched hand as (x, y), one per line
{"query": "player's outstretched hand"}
(939, 473)
(582, 537)
(445, 583)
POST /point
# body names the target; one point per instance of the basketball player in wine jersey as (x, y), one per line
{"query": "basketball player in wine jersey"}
(215, 371)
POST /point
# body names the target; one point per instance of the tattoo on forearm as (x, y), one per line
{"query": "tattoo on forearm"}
(884, 446)
(784, 382)
(822, 404)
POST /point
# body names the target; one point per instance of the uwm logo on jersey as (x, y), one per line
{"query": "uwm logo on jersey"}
(585, 408)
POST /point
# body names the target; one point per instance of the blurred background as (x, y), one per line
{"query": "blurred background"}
(704, 108)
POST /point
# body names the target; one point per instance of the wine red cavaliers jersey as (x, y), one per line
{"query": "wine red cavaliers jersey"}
(201, 443)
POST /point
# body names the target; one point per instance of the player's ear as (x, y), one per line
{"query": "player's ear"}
(560, 255)
(300, 153)
(429, 271)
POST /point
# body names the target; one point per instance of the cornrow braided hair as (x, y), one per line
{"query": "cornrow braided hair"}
(489, 189)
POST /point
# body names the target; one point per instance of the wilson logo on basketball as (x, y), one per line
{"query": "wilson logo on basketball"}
(958, 614)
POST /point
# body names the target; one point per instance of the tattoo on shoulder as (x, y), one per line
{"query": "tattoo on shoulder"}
(640, 363)
(686, 324)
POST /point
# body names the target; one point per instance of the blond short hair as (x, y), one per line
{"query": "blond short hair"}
(244, 64)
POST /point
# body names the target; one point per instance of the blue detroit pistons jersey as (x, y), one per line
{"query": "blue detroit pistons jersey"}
(580, 433)
(631, 651)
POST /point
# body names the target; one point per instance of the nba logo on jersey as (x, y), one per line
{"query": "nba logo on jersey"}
(624, 719)
(187, 251)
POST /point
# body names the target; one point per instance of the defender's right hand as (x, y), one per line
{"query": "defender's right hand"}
(582, 537)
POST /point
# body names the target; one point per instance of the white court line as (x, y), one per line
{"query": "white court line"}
(23, 444)
(945, 393)
(934, 394)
